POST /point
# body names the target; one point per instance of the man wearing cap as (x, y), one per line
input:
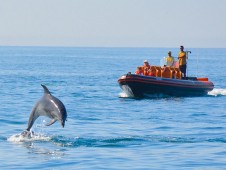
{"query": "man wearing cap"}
(182, 61)
(169, 59)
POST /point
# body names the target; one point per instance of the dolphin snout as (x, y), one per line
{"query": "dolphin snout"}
(62, 123)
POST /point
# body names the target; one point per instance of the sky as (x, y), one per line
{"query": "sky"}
(113, 23)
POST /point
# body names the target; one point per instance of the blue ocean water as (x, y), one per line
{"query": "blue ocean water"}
(105, 128)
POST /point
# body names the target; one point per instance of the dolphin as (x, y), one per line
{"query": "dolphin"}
(49, 106)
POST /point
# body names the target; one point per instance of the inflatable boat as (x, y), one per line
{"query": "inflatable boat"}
(140, 85)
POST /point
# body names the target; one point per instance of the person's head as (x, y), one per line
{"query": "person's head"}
(139, 68)
(169, 53)
(146, 62)
(182, 48)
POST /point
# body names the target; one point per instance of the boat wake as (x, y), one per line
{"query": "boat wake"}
(217, 92)
(214, 92)
(125, 95)
(148, 96)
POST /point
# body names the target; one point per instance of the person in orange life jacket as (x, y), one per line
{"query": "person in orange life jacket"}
(150, 73)
(163, 68)
(146, 67)
(182, 61)
(139, 71)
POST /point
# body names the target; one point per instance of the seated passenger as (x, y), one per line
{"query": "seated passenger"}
(146, 67)
(151, 73)
(146, 64)
(163, 68)
(169, 60)
(166, 72)
(139, 71)
(148, 72)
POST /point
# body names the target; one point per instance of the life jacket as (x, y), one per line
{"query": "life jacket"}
(139, 72)
(146, 72)
(151, 74)
(146, 69)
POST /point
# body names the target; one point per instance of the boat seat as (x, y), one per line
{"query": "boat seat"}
(174, 72)
(158, 71)
(166, 72)
(178, 73)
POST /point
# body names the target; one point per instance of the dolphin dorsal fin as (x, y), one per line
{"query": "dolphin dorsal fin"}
(46, 90)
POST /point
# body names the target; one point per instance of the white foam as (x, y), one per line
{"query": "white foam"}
(18, 138)
(124, 95)
(127, 92)
(217, 92)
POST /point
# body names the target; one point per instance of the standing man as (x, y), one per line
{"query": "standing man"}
(169, 59)
(182, 61)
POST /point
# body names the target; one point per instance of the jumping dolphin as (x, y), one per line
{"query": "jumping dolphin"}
(49, 106)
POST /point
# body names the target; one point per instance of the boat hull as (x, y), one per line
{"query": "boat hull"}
(138, 86)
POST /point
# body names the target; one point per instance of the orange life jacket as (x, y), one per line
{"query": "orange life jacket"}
(146, 69)
(151, 74)
(139, 72)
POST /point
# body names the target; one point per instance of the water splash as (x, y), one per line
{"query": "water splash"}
(217, 92)
(124, 95)
(19, 138)
(127, 92)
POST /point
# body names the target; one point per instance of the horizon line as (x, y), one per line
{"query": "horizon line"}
(71, 46)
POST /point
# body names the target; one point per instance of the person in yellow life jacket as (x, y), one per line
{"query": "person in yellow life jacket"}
(139, 71)
(146, 67)
(182, 61)
(169, 60)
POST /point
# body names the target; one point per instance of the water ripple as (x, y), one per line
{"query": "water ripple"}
(128, 141)
(123, 141)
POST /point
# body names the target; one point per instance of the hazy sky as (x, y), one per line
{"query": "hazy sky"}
(113, 23)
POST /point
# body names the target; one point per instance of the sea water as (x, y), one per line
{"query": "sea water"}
(106, 129)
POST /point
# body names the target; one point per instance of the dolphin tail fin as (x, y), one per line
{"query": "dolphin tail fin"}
(46, 90)
(51, 122)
